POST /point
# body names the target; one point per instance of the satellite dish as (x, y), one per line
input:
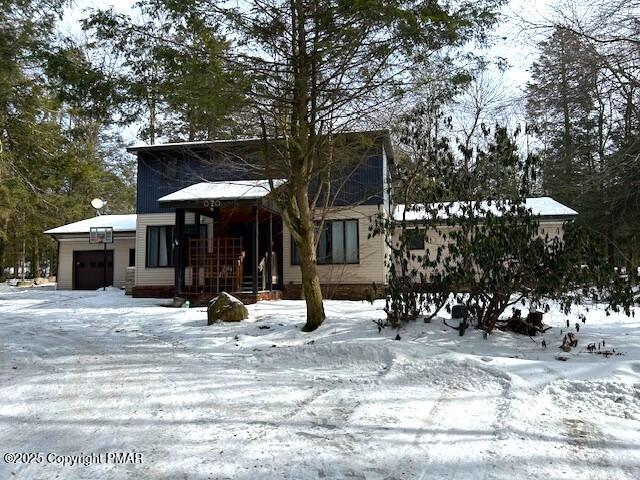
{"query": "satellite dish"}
(97, 203)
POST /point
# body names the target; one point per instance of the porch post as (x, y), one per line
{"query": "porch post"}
(216, 246)
(270, 254)
(197, 222)
(178, 251)
(254, 241)
(199, 255)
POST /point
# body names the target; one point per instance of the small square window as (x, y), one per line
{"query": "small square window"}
(416, 239)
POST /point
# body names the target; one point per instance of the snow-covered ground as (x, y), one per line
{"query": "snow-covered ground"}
(96, 372)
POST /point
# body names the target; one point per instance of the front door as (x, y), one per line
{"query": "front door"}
(89, 271)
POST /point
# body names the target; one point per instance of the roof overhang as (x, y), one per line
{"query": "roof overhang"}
(215, 194)
(121, 224)
(377, 135)
(544, 208)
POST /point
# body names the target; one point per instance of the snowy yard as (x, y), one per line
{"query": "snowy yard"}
(95, 372)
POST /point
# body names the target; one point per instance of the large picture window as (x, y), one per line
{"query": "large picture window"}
(338, 244)
(160, 246)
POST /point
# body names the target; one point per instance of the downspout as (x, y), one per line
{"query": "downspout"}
(58, 260)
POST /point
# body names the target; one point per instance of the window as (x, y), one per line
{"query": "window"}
(132, 257)
(338, 243)
(160, 246)
(416, 239)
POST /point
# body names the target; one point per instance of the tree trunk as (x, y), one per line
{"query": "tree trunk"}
(23, 259)
(36, 270)
(308, 261)
(311, 283)
(2, 253)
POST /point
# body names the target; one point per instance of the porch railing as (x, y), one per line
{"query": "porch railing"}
(213, 265)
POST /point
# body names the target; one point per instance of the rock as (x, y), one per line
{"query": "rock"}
(226, 308)
(41, 281)
(24, 283)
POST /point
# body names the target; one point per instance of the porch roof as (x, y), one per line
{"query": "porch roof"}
(229, 190)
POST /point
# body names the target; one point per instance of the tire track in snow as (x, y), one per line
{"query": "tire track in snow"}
(582, 437)
(103, 346)
(499, 430)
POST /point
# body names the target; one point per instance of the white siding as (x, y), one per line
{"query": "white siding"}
(120, 247)
(151, 276)
(371, 267)
(552, 228)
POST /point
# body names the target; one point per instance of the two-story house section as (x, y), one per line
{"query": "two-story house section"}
(206, 222)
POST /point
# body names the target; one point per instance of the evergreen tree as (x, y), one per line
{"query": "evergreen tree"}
(318, 68)
(583, 101)
(173, 76)
(54, 117)
(485, 246)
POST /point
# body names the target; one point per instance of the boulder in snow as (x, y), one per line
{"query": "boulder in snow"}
(226, 308)
(41, 281)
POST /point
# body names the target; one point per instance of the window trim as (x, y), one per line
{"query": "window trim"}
(344, 240)
(146, 247)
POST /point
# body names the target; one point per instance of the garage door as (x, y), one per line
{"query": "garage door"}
(89, 269)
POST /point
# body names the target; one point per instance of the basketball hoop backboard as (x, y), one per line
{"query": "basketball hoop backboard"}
(101, 235)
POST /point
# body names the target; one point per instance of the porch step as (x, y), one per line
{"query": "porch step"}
(247, 283)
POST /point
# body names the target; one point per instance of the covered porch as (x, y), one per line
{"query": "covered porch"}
(234, 243)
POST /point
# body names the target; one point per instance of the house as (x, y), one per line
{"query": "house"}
(205, 223)
(208, 199)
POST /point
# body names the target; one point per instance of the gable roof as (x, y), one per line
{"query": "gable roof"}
(539, 206)
(120, 223)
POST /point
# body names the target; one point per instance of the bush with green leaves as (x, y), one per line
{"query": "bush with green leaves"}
(487, 247)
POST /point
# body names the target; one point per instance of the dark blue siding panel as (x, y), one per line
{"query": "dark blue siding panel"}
(163, 172)
(360, 184)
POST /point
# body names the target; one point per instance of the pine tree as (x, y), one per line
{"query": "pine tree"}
(317, 69)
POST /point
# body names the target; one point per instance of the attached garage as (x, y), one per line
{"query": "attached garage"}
(81, 264)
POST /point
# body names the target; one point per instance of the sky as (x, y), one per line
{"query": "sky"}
(512, 41)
